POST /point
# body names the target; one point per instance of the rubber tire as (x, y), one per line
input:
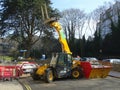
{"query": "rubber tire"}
(78, 71)
(47, 76)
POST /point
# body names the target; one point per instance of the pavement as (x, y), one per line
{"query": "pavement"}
(15, 85)
(114, 74)
(10, 85)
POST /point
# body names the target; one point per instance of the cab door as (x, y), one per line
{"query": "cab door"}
(64, 65)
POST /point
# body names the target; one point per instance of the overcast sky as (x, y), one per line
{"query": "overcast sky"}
(86, 5)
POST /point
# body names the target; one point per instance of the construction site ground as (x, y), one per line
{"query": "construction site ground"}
(15, 85)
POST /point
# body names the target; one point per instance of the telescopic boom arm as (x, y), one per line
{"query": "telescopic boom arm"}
(54, 23)
(62, 38)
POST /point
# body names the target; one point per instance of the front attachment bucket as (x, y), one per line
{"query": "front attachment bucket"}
(96, 69)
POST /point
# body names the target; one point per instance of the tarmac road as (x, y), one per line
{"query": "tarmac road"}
(109, 83)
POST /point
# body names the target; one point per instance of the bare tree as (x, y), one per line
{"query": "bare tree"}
(94, 17)
(73, 21)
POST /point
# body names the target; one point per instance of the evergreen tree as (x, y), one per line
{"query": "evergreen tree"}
(23, 18)
(97, 43)
(111, 42)
(115, 37)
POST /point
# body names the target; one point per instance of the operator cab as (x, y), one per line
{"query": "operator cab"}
(62, 63)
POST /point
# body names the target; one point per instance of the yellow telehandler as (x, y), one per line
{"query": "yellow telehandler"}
(62, 65)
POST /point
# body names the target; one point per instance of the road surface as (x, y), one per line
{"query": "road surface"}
(109, 83)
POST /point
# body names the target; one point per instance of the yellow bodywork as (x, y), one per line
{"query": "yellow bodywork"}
(62, 38)
(99, 72)
(41, 70)
(75, 63)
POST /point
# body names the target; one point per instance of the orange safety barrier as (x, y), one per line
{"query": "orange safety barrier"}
(95, 71)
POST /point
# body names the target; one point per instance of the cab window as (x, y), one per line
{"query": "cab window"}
(61, 60)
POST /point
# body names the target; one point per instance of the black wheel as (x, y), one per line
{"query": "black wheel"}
(76, 73)
(34, 75)
(49, 76)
